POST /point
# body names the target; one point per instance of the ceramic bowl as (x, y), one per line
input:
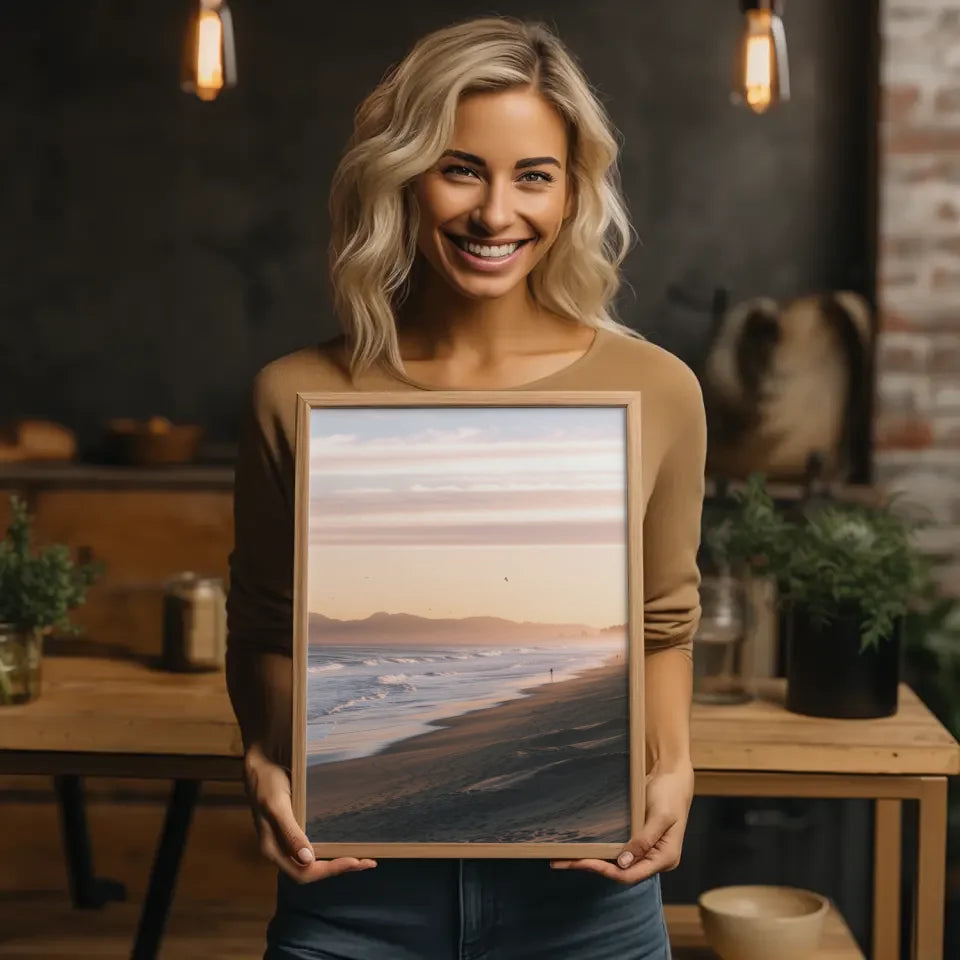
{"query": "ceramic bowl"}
(763, 922)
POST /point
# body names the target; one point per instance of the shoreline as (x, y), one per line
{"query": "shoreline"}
(428, 719)
(522, 694)
(551, 764)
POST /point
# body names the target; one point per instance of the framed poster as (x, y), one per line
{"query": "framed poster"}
(468, 639)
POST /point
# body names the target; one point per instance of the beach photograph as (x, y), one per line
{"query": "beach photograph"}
(467, 605)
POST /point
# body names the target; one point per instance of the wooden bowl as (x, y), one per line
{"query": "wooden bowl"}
(154, 441)
(763, 922)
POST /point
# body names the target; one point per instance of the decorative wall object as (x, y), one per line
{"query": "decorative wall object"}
(787, 381)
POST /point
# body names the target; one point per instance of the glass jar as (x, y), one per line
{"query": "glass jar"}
(20, 656)
(718, 646)
(194, 623)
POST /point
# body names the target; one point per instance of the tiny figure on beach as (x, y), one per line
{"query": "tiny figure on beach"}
(551, 674)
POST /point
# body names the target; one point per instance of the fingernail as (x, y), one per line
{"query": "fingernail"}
(305, 855)
(625, 859)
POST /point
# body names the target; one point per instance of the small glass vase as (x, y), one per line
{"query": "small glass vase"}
(718, 647)
(20, 658)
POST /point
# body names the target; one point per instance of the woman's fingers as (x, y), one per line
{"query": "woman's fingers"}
(282, 841)
(291, 843)
(311, 872)
(662, 856)
(275, 805)
(655, 828)
(639, 871)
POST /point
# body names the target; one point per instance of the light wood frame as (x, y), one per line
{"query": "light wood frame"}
(630, 402)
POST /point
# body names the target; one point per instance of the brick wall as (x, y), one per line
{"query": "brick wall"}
(917, 424)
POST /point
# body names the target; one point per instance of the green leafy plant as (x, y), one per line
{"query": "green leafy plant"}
(829, 558)
(39, 589)
(750, 532)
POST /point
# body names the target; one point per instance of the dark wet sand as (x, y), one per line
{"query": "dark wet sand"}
(549, 767)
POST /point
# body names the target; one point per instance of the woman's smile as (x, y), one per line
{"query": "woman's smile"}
(486, 255)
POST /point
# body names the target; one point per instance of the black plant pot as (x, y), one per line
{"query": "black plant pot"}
(829, 676)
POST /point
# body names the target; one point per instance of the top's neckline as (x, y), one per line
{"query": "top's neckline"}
(540, 382)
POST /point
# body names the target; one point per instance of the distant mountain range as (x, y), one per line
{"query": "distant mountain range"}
(386, 629)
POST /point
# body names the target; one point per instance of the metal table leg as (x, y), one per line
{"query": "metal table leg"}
(163, 876)
(86, 890)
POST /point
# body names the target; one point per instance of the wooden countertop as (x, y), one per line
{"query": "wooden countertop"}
(763, 736)
(125, 707)
(85, 475)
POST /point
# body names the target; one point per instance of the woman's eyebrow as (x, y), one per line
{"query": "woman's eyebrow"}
(519, 165)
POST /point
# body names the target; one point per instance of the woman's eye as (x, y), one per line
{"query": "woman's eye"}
(459, 170)
(531, 176)
(541, 175)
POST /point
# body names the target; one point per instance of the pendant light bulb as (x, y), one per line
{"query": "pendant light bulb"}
(209, 58)
(762, 76)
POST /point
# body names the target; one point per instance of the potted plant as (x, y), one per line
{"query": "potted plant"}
(37, 592)
(846, 575)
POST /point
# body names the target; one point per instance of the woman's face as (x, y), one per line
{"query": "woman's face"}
(492, 206)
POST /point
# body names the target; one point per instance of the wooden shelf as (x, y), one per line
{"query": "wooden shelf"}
(784, 490)
(85, 476)
(688, 943)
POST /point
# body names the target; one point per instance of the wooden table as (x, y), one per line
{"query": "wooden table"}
(99, 717)
(759, 749)
(120, 718)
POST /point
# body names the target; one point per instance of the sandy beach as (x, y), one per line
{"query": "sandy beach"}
(548, 767)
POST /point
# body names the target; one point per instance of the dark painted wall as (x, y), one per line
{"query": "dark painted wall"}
(155, 250)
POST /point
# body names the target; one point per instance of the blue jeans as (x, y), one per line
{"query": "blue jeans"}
(467, 910)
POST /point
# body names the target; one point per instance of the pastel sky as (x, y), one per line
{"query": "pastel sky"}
(462, 511)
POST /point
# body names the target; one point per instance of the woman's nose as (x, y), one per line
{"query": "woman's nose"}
(494, 213)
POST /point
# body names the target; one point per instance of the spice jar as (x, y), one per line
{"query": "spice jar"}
(194, 623)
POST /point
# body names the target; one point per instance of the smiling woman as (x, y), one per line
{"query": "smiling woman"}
(484, 220)
(477, 234)
(478, 141)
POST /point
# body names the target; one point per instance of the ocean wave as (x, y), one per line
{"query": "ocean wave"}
(356, 701)
(394, 678)
(372, 663)
(325, 668)
(413, 659)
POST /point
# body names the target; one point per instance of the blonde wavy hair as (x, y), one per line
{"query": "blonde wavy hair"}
(402, 128)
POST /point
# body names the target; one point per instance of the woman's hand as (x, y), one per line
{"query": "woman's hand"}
(658, 845)
(281, 839)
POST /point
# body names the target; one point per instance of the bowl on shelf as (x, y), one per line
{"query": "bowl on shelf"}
(762, 922)
(152, 442)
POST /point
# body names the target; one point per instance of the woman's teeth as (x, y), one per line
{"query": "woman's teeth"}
(482, 250)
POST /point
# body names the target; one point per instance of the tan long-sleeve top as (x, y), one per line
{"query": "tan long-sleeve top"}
(673, 447)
